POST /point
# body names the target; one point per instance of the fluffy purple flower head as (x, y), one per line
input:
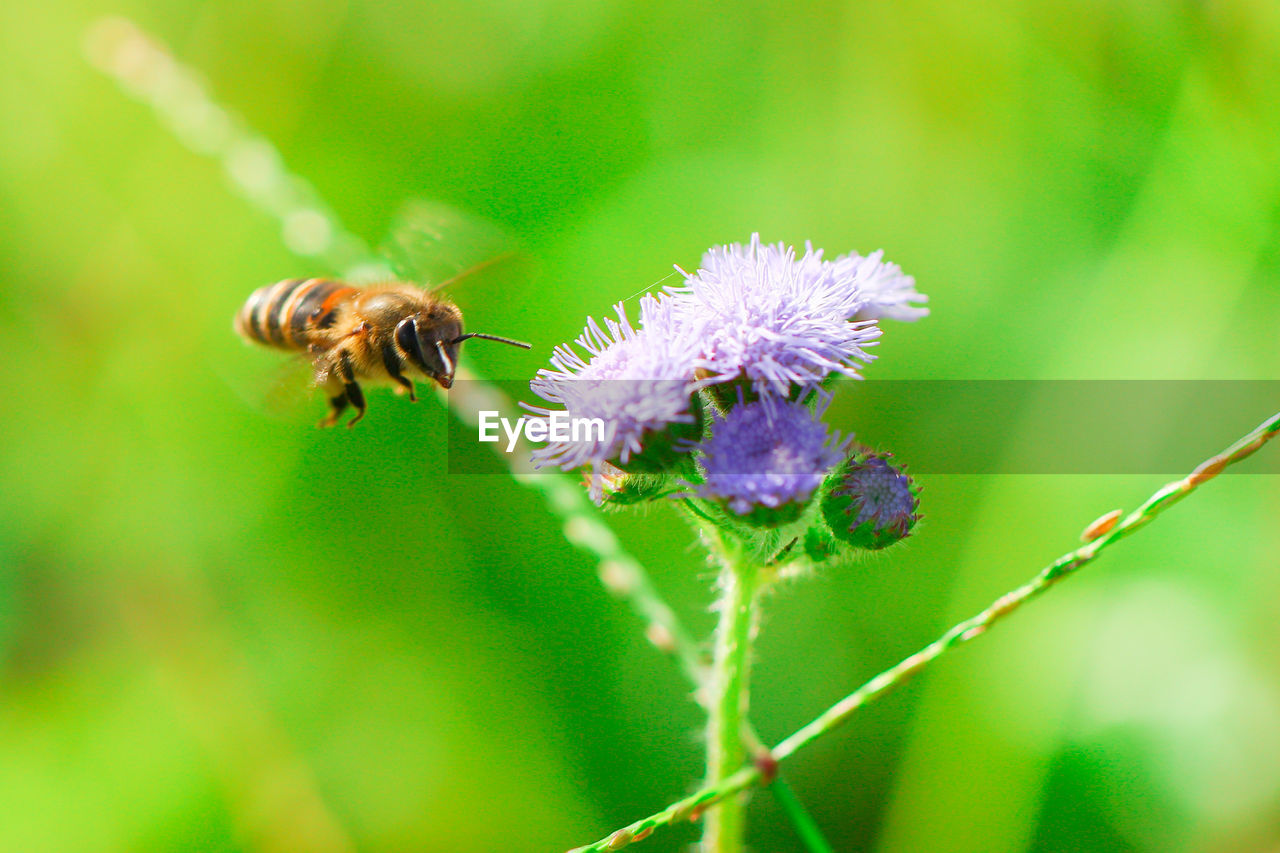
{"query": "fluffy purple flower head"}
(889, 291)
(635, 381)
(773, 318)
(767, 454)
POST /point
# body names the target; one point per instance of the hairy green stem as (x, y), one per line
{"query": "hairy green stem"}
(730, 671)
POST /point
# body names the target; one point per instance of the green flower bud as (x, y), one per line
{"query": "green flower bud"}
(869, 502)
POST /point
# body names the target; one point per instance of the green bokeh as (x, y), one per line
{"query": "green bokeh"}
(223, 629)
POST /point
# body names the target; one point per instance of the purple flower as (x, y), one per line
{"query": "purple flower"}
(635, 381)
(756, 313)
(767, 454)
(889, 291)
(774, 319)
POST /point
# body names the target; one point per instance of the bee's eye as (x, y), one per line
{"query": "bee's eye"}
(407, 338)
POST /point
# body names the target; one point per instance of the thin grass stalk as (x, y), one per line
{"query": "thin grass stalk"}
(807, 828)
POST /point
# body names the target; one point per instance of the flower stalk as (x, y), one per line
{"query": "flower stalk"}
(730, 679)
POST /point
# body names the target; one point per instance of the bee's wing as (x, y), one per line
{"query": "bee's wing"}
(276, 384)
(435, 245)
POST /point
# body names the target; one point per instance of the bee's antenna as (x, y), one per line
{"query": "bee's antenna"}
(513, 343)
(444, 357)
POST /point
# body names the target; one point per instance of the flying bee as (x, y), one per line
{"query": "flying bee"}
(383, 333)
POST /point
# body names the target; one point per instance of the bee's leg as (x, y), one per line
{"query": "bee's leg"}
(391, 361)
(351, 389)
(337, 405)
(338, 401)
(356, 396)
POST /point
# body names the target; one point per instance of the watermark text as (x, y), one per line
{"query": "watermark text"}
(557, 426)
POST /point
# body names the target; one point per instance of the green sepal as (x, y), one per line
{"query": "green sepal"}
(667, 450)
(662, 451)
(770, 518)
(723, 396)
(819, 544)
(629, 489)
(762, 542)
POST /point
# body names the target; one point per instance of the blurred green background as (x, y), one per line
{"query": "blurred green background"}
(223, 630)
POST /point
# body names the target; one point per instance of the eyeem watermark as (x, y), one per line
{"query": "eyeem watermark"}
(967, 427)
(558, 426)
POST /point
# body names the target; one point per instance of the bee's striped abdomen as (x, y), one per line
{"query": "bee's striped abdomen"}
(282, 314)
(316, 307)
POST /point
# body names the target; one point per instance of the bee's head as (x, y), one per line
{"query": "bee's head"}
(431, 344)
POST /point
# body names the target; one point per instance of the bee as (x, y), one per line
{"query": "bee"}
(384, 333)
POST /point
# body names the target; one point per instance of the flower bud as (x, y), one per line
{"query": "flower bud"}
(869, 502)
